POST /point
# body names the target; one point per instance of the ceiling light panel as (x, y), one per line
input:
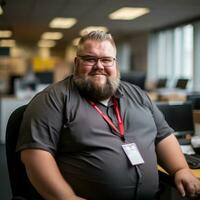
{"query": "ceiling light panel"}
(52, 36)
(46, 43)
(92, 28)
(1, 10)
(128, 13)
(7, 43)
(5, 34)
(63, 23)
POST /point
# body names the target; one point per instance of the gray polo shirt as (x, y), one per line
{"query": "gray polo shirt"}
(88, 151)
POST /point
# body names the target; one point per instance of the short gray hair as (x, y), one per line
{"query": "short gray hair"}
(96, 36)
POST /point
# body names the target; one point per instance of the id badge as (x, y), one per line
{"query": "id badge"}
(133, 153)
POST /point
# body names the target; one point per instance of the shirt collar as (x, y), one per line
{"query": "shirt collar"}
(118, 94)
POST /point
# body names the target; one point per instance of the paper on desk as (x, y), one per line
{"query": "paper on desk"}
(187, 149)
(195, 141)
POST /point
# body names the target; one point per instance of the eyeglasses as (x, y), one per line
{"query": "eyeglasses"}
(92, 60)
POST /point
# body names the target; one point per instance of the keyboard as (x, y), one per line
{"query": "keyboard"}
(193, 160)
(184, 141)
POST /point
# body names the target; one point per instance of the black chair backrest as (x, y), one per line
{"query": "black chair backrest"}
(20, 185)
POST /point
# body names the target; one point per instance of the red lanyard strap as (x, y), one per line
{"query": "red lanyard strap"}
(108, 120)
(119, 118)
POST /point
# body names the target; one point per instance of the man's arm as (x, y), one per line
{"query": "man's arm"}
(45, 175)
(171, 158)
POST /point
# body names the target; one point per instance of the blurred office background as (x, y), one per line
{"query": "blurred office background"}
(158, 48)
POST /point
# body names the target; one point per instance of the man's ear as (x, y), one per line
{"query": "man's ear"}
(76, 64)
(76, 61)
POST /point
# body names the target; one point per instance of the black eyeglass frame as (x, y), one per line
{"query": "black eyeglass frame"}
(96, 59)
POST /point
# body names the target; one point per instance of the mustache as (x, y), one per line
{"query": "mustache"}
(97, 73)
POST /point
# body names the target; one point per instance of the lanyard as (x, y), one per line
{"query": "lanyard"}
(108, 120)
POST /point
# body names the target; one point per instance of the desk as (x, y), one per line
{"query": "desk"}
(168, 95)
(196, 172)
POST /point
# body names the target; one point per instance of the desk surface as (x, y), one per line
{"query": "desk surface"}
(196, 172)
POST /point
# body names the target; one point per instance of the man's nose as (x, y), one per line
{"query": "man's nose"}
(99, 64)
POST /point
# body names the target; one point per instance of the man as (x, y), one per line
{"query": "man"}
(93, 137)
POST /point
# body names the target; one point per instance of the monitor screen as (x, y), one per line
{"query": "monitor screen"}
(12, 80)
(161, 83)
(195, 100)
(44, 77)
(178, 116)
(182, 83)
(137, 78)
(4, 51)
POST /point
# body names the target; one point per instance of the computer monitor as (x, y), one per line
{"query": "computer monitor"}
(137, 78)
(4, 51)
(45, 77)
(179, 116)
(195, 100)
(12, 80)
(161, 83)
(182, 83)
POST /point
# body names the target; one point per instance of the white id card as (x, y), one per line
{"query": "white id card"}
(133, 153)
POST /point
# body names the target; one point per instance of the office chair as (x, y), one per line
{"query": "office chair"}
(168, 189)
(20, 185)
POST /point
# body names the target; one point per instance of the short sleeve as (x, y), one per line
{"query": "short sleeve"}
(42, 123)
(163, 129)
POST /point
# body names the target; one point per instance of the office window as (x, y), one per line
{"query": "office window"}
(183, 54)
(170, 54)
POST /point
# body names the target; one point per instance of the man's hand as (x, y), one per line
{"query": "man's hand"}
(187, 184)
(173, 161)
